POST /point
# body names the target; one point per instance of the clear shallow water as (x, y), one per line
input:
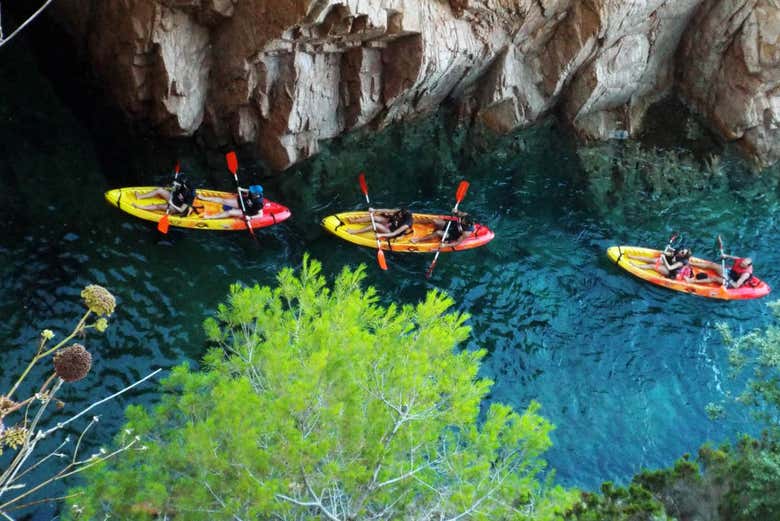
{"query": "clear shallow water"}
(624, 369)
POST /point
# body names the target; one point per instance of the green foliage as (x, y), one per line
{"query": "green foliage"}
(749, 476)
(759, 352)
(632, 503)
(319, 403)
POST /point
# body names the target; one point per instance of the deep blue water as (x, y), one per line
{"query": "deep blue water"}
(622, 368)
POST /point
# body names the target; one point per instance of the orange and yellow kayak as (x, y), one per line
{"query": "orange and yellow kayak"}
(423, 224)
(124, 198)
(621, 255)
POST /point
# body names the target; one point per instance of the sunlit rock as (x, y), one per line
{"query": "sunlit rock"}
(282, 75)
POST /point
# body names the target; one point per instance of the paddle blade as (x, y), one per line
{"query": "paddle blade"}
(430, 269)
(720, 244)
(232, 162)
(176, 168)
(162, 224)
(461, 193)
(380, 258)
(363, 185)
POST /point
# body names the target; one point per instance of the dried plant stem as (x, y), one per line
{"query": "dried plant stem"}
(9, 478)
(42, 354)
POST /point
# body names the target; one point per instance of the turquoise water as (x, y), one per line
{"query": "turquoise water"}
(623, 368)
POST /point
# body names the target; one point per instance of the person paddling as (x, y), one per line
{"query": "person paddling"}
(231, 207)
(740, 274)
(180, 198)
(463, 226)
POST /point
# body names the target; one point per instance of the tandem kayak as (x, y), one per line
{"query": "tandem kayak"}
(423, 224)
(620, 256)
(124, 198)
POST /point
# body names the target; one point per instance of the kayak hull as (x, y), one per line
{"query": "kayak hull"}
(423, 224)
(125, 198)
(620, 255)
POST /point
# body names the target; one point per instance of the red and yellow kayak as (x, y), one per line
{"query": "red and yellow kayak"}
(124, 198)
(423, 224)
(620, 255)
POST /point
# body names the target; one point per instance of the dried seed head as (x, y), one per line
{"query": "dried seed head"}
(72, 363)
(13, 437)
(98, 299)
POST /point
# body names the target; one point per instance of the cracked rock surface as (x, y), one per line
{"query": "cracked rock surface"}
(284, 75)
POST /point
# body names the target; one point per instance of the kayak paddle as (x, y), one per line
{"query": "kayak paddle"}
(232, 164)
(722, 261)
(380, 255)
(162, 224)
(459, 195)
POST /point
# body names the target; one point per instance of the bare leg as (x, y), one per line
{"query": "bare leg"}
(380, 228)
(225, 214)
(436, 234)
(660, 268)
(708, 265)
(151, 207)
(228, 201)
(160, 193)
(643, 259)
(367, 219)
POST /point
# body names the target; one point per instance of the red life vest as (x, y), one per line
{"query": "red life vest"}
(686, 272)
(738, 270)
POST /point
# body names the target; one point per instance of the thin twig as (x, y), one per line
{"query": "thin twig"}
(30, 19)
(107, 398)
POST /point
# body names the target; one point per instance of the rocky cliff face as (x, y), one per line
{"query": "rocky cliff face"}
(286, 74)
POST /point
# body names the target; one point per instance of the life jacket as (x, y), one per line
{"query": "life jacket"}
(401, 218)
(252, 203)
(737, 271)
(685, 272)
(454, 232)
(457, 229)
(678, 273)
(184, 195)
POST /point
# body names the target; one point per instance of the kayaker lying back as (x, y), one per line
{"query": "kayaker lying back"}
(672, 263)
(389, 223)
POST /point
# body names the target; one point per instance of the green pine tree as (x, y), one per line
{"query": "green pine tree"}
(319, 403)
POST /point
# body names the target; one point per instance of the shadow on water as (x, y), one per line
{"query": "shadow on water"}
(624, 369)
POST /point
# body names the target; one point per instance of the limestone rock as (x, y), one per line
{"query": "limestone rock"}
(731, 75)
(284, 75)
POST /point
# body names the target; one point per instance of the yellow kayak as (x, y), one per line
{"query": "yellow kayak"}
(622, 256)
(422, 225)
(125, 198)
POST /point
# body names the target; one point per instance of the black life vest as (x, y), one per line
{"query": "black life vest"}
(252, 203)
(184, 196)
(399, 219)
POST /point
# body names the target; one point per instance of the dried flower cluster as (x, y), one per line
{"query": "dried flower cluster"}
(12, 437)
(72, 363)
(98, 300)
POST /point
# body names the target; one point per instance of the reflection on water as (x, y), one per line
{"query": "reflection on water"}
(623, 368)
